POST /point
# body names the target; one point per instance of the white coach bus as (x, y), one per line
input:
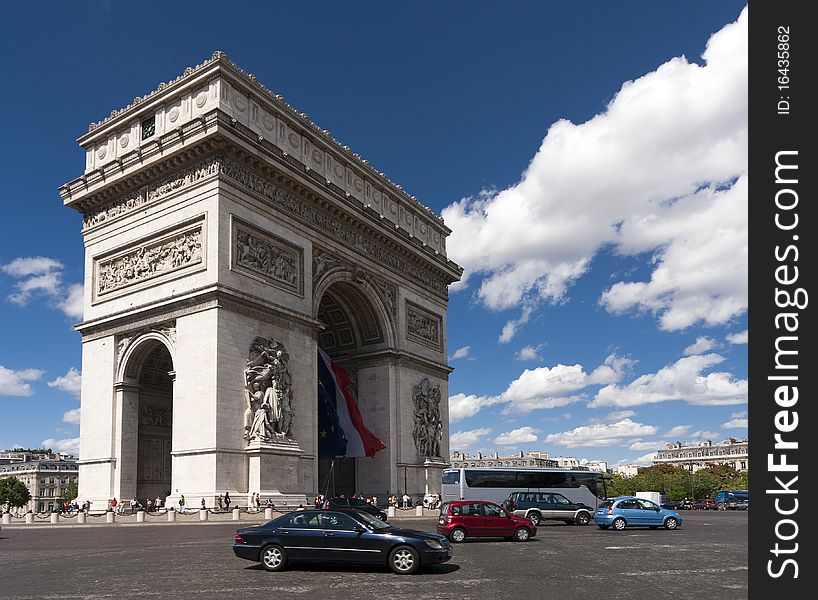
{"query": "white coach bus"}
(496, 483)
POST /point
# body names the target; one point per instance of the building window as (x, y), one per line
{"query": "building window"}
(148, 127)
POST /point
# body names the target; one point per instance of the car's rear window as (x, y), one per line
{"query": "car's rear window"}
(605, 504)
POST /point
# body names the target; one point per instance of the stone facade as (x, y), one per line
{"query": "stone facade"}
(215, 214)
(700, 455)
(46, 479)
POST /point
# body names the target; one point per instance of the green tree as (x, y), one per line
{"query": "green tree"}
(69, 492)
(13, 493)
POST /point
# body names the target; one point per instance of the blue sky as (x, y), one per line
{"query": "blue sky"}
(594, 178)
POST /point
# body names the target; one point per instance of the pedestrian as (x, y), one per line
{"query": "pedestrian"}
(406, 500)
(257, 501)
(158, 503)
(113, 504)
(204, 504)
(182, 503)
(149, 504)
(374, 500)
(220, 502)
(227, 500)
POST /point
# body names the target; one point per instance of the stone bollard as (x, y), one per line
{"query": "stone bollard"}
(6, 518)
(203, 514)
(171, 515)
(236, 514)
(81, 518)
(140, 516)
(29, 518)
(390, 512)
(55, 518)
(268, 513)
(419, 511)
(110, 517)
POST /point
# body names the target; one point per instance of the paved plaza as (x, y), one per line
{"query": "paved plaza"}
(705, 558)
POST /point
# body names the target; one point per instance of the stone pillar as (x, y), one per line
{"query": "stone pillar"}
(81, 518)
(419, 510)
(6, 519)
(125, 447)
(171, 515)
(29, 518)
(268, 513)
(140, 516)
(390, 512)
(110, 517)
(55, 518)
(203, 514)
(236, 514)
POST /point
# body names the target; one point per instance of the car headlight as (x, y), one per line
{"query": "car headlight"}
(433, 544)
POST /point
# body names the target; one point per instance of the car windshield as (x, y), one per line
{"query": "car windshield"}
(371, 520)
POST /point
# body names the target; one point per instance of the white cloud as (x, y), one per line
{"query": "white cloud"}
(514, 437)
(16, 383)
(700, 346)
(703, 434)
(70, 445)
(599, 434)
(736, 424)
(738, 414)
(42, 276)
(70, 382)
(72, 416)
(529, 353)
(678, 431)
(619, 415)
(460, 353)
(644, 460)
(682, 380)
(742, 337)
(640, 446)
(662, 170)
(72, 305)
(463, 440)
(512, 326)
(543, 387)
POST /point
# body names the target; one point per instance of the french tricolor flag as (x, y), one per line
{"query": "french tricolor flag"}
(341, 429)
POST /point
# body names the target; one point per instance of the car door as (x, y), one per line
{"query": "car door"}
(650, 514)
(343, 541)
(548, 507)
(497, 521)
(631, 510)
(562, 507)
(473, 519)
(303, 537)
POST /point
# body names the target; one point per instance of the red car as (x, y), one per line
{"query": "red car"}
(476, 518)
(706, 504)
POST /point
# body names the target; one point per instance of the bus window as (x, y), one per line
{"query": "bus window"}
(451, 477)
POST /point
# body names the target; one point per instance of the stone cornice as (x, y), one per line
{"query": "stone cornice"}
(122, 122)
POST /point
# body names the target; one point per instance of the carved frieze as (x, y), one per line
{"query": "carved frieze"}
(155, 416)
(153, 192)
(167, 253)
(348, 235)
(428, 426)
(265, 256)
(423, 326)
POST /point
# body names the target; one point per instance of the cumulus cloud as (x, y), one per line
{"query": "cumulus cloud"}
(736, 424)
(644, 460)
(529, 353)
(463, 440)
(69, 445)
(742, 337)
(700, 346)
(641, 446)
(704, 434)
(523, 435)
(71, 382)
(683, 380)
(678, 431)
(512, 326)
(612, 434)
(43, 276)
(460, 353)
(16, 383)
(72, 416)
(662, 170)
(541, 388)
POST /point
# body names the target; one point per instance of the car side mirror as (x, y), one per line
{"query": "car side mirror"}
(657, 509)
(360, 529)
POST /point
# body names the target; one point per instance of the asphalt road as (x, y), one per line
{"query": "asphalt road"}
(705, 558)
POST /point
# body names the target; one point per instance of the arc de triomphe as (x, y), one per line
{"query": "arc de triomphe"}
(227, 238)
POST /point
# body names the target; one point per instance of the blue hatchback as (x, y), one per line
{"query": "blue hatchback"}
(634, 512)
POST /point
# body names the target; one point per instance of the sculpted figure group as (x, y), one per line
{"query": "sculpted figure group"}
(268, 411)
(428, 430)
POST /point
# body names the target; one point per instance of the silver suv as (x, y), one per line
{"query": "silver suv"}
(539, 506)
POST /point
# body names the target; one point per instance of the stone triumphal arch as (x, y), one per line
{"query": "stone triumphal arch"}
(227, 238)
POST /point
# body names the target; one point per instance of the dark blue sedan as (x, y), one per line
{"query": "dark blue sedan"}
(339, 536)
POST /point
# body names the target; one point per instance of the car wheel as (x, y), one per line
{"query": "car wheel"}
(273, 558)
(619, 523)
(404, 560)
(535, 518)
(583, 518)
(522, 534)
(458, 535)
(671, 523)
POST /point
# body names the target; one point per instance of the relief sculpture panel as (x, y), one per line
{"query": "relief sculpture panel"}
(264, 256)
